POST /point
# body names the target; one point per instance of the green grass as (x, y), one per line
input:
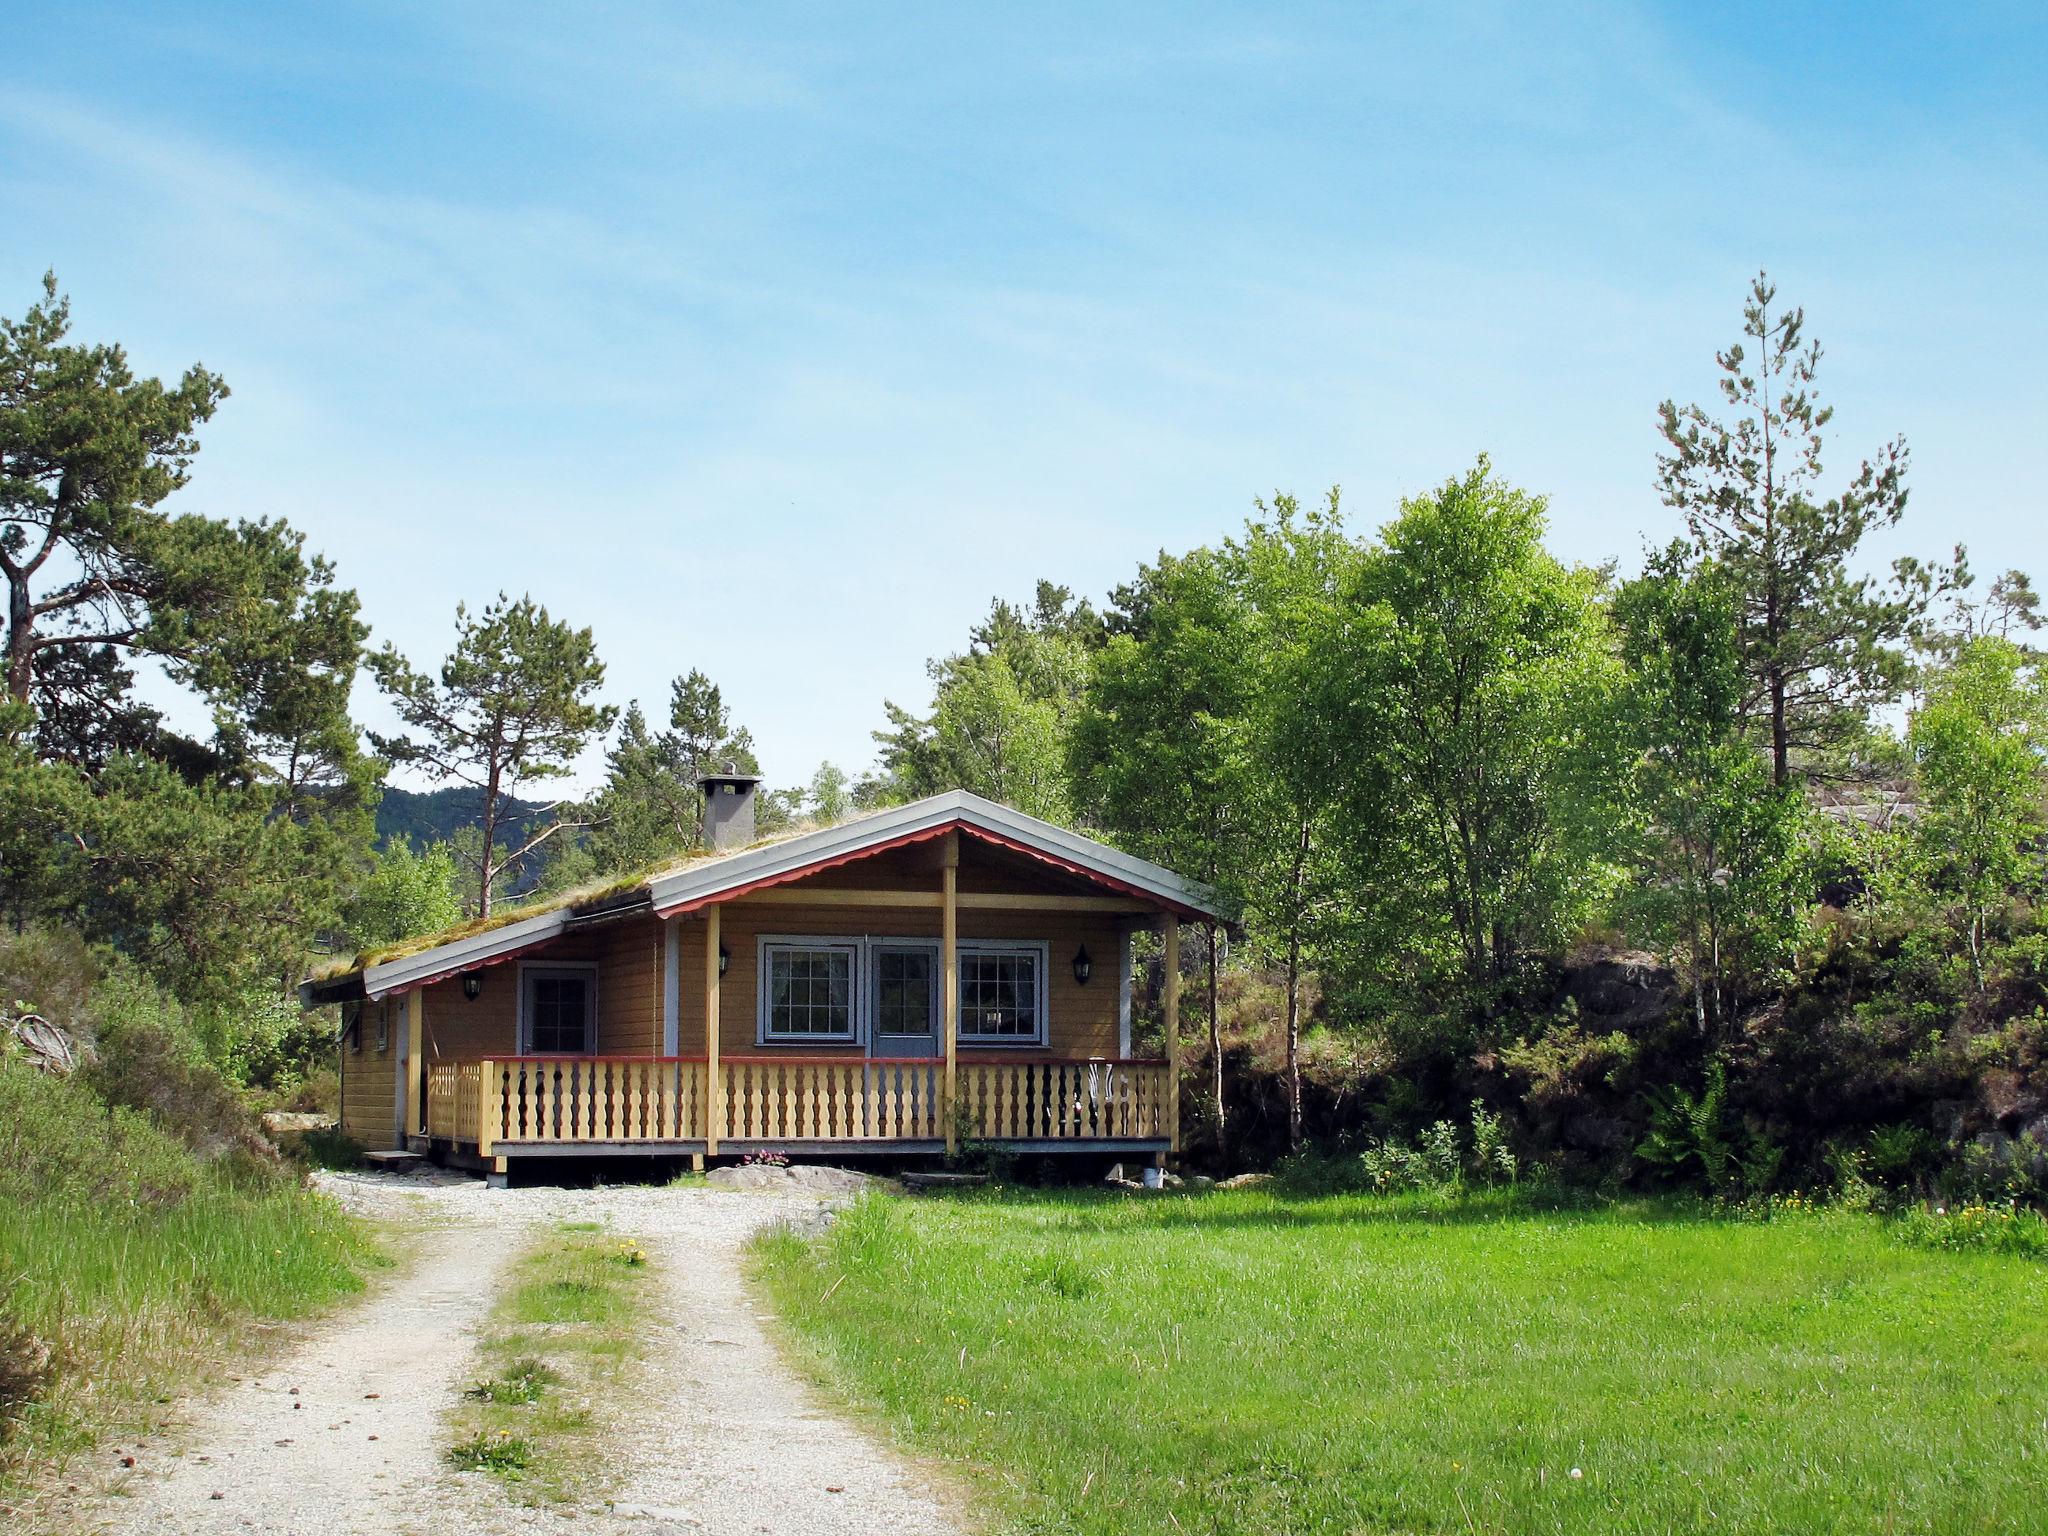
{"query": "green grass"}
(558, 1351)
(136, 1265)
(1246, 1362)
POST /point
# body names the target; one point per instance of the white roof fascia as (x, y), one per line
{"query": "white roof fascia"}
(701, 882)
(409, 970)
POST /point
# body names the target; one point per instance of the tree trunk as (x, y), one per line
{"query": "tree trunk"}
(20, 633)
(489, 852)
(1781, 732)
(1294, 988)
(1294, 1039)
(1216, 1048)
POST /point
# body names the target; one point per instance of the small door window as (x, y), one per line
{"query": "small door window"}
(906, 992)
(557, 1011)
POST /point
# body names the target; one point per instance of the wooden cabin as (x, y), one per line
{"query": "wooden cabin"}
(945, 971)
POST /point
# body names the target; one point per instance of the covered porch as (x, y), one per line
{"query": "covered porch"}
(566, 1106)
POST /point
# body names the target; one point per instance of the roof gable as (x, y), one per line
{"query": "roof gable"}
(700, 885)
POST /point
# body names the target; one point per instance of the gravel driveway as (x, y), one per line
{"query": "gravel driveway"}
(343, 1433)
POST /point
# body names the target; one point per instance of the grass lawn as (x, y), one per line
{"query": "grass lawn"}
(1248, 1362)
(556, 1353)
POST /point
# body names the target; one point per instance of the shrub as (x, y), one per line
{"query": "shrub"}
(1698, 1137)
(1896, 1153)
(1493, 1160)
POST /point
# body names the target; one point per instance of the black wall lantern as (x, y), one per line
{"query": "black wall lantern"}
(1083, 966)
(472, 986)
(724, 959)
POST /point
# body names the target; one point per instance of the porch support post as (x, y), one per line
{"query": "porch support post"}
(1172, 1000)
(415, 1059)
(714, 1080)
(487, 1107)
(949, 978)
(671, 987)
(1123, 989)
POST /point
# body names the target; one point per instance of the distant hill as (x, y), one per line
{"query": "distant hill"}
(436, 815)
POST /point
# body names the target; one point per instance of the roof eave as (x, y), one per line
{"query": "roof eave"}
(409, 971)
(703, 885)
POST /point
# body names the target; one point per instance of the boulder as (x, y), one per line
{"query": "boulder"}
(794, 1179)
(280, 1122)
(1245, 1181)
(1617, 985)
(2006, 1095)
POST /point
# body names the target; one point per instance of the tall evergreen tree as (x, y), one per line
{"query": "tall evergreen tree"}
(511, 705)
(652, 804)
(1821, 645)
(204, 856)
(98, 573)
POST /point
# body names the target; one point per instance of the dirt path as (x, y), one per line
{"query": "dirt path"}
(344, 1433)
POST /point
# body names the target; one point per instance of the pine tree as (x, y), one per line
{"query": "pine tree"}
(511, 705)
(1821, 646)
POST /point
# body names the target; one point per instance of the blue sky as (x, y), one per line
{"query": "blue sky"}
(777, 340)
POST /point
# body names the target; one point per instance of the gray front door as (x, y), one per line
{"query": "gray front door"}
(905, 978)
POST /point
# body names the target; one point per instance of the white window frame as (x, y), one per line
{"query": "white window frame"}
(1041, 950)
(521, 1025)
(383, 1028)
(864, 1010)
(857, 1013)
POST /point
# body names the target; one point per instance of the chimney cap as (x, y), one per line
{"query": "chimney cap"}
(728, 776)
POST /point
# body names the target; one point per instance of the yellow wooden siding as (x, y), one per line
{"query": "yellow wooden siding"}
(369, 1081)
(629, 988)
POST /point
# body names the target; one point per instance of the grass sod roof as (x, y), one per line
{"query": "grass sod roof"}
(592, 894)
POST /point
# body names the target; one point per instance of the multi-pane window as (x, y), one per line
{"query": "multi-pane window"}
(903, 992)
(558, 1013)
(999, 999)
(810, 992)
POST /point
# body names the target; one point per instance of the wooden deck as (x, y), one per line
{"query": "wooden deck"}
(641, 1105)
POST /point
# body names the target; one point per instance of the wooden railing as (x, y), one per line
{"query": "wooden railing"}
(454, 1099)
(541, 1099)
(826, 1098)
(534, 1101)
(1063, 1100)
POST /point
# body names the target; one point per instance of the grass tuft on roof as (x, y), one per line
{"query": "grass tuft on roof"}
(592, 894)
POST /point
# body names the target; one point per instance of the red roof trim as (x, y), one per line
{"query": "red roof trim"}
(802, 871)
(805, 871)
